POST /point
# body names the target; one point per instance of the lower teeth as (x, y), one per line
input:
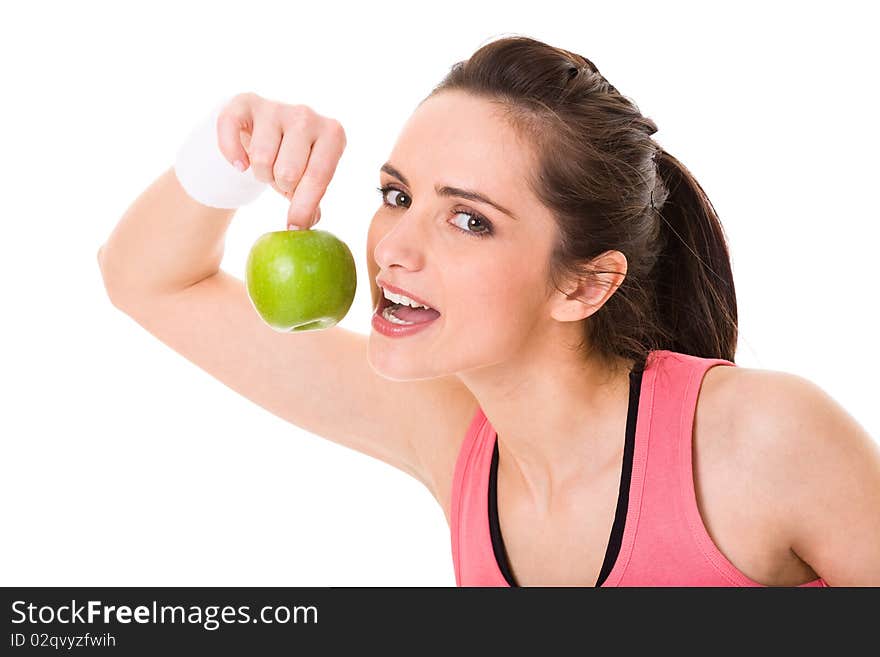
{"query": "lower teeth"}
(394, 320)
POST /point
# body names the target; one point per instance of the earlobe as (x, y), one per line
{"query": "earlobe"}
(580, 303)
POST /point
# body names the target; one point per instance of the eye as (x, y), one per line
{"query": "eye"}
(477, 218)
(388, 188)
(473, 217)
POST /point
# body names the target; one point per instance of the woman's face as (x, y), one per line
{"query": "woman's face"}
(483, 270)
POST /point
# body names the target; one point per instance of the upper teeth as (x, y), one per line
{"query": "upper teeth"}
(399, 298)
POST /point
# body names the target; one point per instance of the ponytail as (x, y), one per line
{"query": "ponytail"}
(694, 290)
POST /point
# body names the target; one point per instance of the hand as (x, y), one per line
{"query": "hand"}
(292, 147)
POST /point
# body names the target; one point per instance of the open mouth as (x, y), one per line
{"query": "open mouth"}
(403, 314)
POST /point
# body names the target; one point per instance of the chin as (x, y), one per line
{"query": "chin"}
(387, 365)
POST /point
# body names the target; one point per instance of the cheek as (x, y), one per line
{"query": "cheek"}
(509, 299)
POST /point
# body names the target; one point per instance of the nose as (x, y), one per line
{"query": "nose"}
(402, 243)
(393, 240)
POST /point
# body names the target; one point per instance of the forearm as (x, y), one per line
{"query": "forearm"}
(164, 242)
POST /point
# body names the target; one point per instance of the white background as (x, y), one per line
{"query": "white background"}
(124, 464)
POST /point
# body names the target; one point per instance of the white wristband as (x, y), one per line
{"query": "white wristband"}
(206, 175)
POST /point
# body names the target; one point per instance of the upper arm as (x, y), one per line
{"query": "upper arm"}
(320, 381)
(826, 473)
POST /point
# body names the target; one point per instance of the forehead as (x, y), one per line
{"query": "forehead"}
(458, 139)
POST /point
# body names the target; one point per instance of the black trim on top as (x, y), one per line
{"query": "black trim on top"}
(616, 539)
(494, 525)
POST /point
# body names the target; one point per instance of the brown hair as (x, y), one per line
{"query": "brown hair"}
(611, 187)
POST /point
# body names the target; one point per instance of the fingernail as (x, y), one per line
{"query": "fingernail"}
(239, 165)
(293, 227)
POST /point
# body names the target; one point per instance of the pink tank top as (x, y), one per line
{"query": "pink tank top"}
(658, 537)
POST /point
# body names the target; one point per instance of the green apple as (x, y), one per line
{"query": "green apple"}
(300, 280)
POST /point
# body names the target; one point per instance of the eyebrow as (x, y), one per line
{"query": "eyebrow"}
(450, 191)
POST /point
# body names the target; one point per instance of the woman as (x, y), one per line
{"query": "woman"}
(558, 392)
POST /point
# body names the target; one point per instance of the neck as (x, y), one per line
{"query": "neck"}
(560, 419)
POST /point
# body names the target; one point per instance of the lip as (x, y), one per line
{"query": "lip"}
(400, 290)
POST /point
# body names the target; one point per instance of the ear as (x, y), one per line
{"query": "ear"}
(593, 290)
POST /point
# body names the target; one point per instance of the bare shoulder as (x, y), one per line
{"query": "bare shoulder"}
(813, 472)
(759, 404)
(734, 479)
(744, 422)
(827, 479)
(786, 415)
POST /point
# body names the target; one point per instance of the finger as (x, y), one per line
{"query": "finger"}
(320, 168)
(264, 145)
(291, 161)
(233, 120)
(315, 219)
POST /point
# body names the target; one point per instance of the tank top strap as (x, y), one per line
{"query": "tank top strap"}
(659, 547)
(472, 555)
